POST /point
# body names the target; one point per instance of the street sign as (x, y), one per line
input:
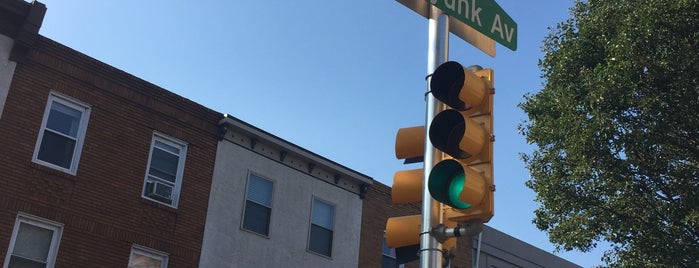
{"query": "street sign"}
(478, 22)
(456, 27)
(486, 16)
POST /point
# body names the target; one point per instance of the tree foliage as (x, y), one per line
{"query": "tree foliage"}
(616, 131)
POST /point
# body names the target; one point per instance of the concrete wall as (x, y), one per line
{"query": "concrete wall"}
(7, 69)
(498, 249)
(226, 244)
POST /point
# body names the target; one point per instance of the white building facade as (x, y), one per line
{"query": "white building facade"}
(274, 204)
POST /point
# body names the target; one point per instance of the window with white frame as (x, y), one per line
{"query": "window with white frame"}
(165, 168)
(388, 256)
(321, 234)
(34, 242)
(258, 205)
(143, 257)
(62, 133)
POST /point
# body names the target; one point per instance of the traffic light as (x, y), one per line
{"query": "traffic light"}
(465, 133)
(407, 184)
(407, 188)
(464, 182)
(403, 233)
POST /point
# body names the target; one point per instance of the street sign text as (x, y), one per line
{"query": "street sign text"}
(486, 16)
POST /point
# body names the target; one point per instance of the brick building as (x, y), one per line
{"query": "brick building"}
(103, 169)
(101, 164)
(99, 168)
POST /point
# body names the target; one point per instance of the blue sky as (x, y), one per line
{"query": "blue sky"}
(338, 78)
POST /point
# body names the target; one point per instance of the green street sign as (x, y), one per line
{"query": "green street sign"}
(486, 16)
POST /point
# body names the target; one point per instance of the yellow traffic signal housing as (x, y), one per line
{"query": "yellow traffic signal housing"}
(462, 89)
(403, 231)
(410, 144)
(461, 137)
(465, 133)
(465, 182)
(407, 184)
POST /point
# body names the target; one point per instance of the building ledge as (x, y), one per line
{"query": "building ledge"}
(21, 21)
(280, 150)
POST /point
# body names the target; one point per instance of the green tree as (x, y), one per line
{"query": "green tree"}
(616, 132)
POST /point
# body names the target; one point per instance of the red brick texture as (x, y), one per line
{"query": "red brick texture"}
(101, 206)
(377, 208)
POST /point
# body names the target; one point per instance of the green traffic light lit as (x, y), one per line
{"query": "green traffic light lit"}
(446, 183)
(456, 186)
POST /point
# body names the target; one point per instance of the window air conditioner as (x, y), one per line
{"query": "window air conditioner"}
(159, 191)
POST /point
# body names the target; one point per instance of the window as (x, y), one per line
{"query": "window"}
(62, 133)
(143, 257)
(388, 257)
(165, 167)
(34, 242)
(321, 235)
(258, 205)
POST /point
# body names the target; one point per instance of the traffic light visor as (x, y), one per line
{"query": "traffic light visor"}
(407, 186)
(457, 135)
(456, 185)
(410, 144)
(403, 231)
(457, 87)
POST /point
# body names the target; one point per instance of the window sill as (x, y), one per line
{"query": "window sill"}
(319, 254)
(158, 205)
(254, 233)
(52, 171)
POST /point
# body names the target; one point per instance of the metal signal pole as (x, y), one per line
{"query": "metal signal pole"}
(438, 53)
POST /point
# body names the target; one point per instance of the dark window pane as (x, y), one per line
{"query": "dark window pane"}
(142, 261)
(64, 119)
(163, 165)
(56, 149)
(33, 242)
(260, 190)
(321, 240)
(386, 250)
(164, 146)
(256, 218)
(323, 214)
(388, 262)
(18, 262)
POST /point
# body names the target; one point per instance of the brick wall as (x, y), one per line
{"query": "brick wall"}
(101, 206)
(377, 208)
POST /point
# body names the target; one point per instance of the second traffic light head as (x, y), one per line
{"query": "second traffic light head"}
(458, 135)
